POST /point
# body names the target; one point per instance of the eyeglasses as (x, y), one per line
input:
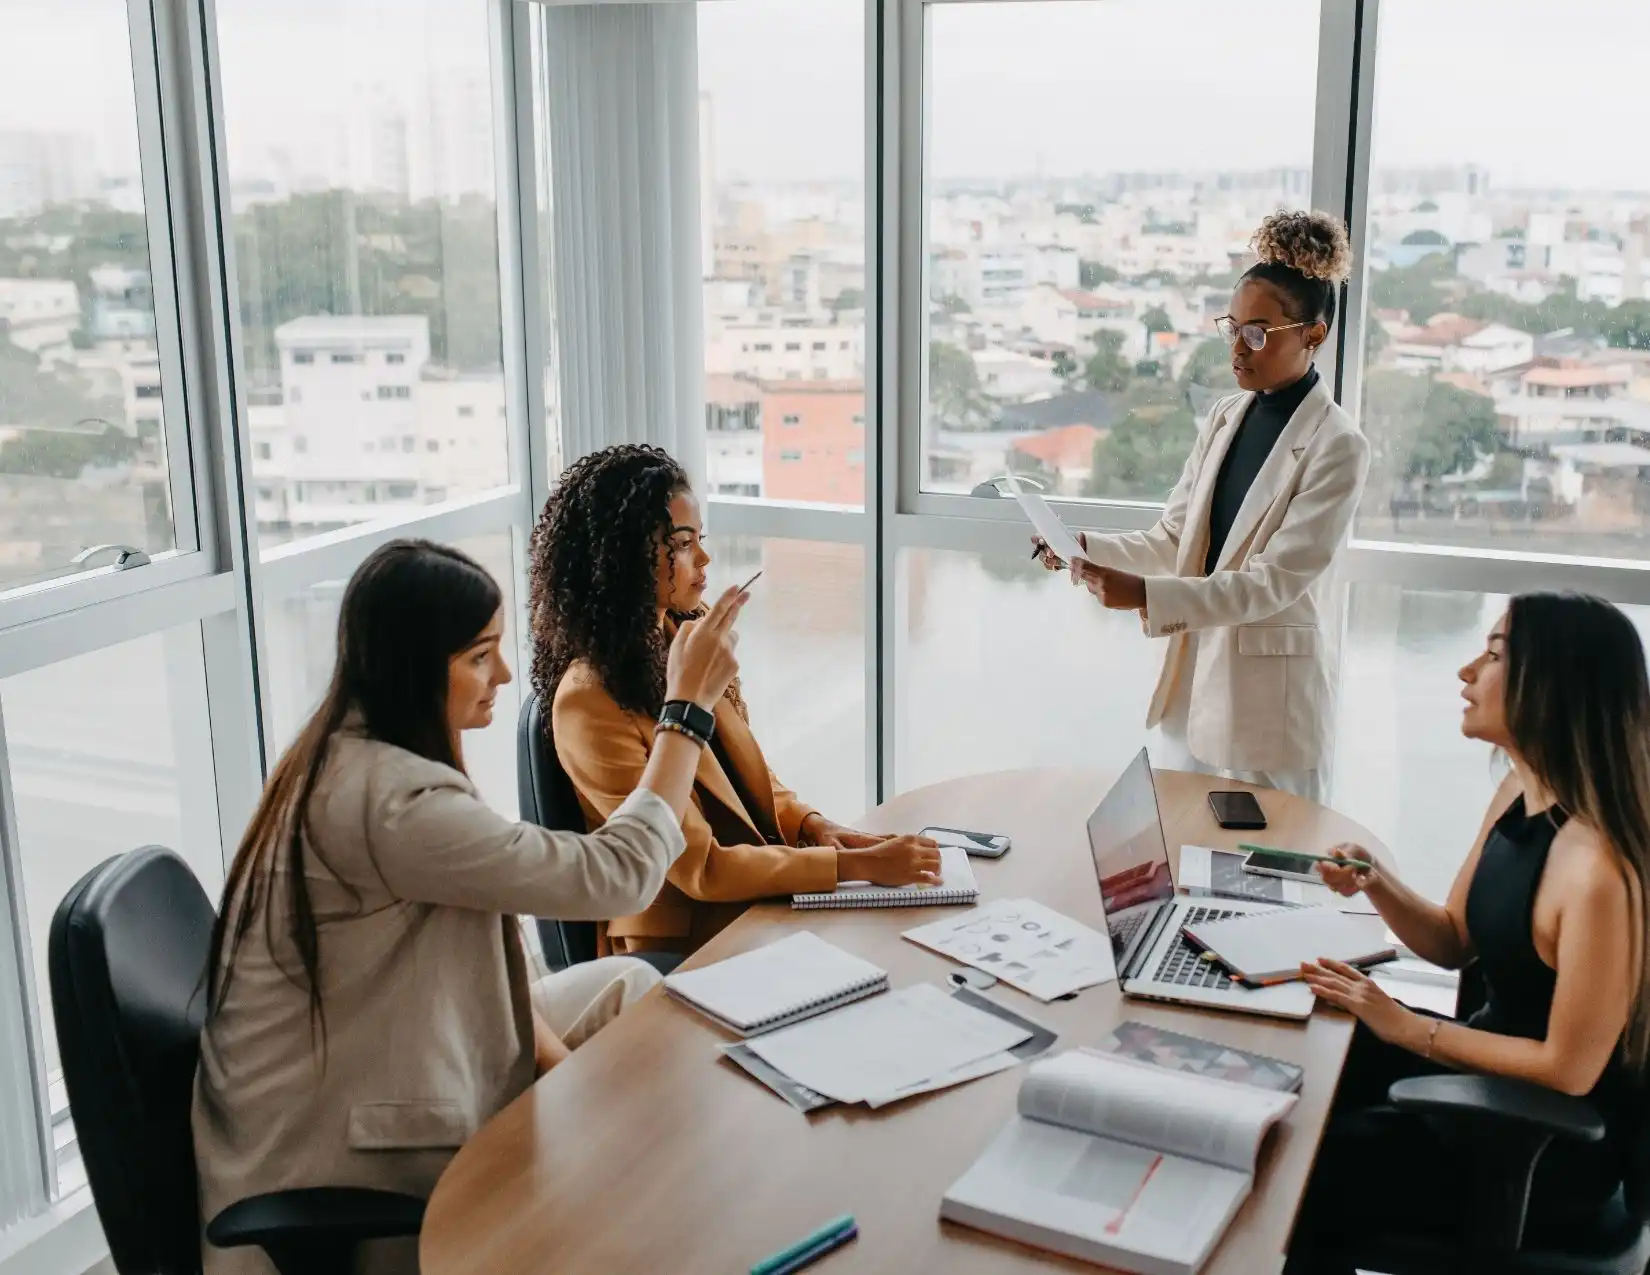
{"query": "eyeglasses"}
(1254, 334)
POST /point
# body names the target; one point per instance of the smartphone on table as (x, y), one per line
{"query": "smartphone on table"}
(1236, 810)
(985, 845)
(1283, 863)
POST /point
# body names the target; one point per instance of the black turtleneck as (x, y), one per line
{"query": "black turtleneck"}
(1251, 445)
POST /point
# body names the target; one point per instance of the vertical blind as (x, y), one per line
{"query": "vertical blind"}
(622, 87)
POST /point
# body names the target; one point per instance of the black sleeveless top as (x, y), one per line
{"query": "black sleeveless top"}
(1518, 984)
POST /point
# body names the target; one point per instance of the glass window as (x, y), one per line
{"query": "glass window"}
(301, 637)
(365, 227)
(1075, 268)
(802, 656)
(782, 159)
(1402, 767)
(1066, 682)
(83, 456)
(108, 752)
(1506, 384)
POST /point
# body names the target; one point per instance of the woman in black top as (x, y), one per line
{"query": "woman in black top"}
(1551, 905)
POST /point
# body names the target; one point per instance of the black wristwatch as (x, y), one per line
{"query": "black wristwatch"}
(687, 718)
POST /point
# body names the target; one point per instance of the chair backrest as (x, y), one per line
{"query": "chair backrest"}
(548, 798)
(128, 948)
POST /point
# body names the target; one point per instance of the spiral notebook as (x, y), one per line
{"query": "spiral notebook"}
(957, 885)
(773, 986)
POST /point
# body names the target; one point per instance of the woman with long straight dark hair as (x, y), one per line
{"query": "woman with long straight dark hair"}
(1550, 904)
(369, 1002)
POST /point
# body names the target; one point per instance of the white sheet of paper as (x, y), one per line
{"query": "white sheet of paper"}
(887, 1044)
(1024, 944)
(1056, 535)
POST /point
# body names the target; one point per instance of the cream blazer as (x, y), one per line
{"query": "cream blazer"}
(1263, 690)
(426, 991)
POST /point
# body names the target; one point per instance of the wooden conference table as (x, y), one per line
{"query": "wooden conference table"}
(645, 1152)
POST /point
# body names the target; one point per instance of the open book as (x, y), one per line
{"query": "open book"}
(1119, 1162)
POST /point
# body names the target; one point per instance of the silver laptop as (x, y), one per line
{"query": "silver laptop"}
(1137, 890)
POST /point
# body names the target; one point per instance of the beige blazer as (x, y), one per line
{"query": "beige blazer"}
(428, 1019)
(1263, 693)
(742, 826)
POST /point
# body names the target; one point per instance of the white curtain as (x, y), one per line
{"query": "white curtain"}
(622, 90)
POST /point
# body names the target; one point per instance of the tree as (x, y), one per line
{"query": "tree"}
(1107, 369)
(1141, 458)
(1091, 274)
(954, 386)
(1458, 427)
(56, 453)
(337, 252)
(1157, 320)
(1422, 289)
(848, 299)
(32, 395)
(1209, 366)
(1627, 326)
(1424, 429)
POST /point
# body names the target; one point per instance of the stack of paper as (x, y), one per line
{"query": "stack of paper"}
(877, 1052)
(1024, 944)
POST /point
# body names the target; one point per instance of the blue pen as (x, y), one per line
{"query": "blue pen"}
(837, 1231)
(827, 1245)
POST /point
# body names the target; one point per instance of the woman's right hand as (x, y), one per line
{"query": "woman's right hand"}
(1047, 556)
(903, 860)
(702, 663)
(1347, 882)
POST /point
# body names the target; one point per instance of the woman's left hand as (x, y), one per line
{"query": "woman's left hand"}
(820, 831)
(1117, 590)
(1354, 991)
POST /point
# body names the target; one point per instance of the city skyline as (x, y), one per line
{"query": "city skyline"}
(787, 78)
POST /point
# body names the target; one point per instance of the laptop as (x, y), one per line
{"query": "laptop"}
(1144, 916)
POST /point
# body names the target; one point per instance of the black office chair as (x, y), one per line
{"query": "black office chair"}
(1504, 1126)
(128, 948)
(548, 798)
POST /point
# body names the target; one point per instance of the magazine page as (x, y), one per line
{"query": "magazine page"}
(1175, 1112)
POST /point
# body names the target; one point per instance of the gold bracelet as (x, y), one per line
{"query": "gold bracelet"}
(1431, 1036)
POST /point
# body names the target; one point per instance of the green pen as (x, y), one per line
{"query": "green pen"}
(779, 1260)
(1361, 865)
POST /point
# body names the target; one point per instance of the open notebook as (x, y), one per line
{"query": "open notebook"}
(1119, 1162)
(957, 885)
(784, 982)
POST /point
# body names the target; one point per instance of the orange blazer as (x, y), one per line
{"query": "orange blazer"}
(729, 862)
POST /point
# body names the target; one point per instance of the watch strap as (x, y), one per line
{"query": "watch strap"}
(688, 717)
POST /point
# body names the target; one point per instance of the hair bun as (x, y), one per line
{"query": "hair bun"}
(1314, 243)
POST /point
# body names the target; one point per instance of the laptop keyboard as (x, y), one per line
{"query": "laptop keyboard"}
(1123, 931)
(1183, 965)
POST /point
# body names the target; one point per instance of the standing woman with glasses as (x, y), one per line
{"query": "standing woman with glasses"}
(1236, 571)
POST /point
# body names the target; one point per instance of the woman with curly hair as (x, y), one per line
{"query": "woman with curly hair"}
(1236, 570)
(618, 562)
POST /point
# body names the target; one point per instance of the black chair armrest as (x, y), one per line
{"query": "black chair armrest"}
(315, 1218)
(1496, 1099)
(1501, 1127)
(664, 962)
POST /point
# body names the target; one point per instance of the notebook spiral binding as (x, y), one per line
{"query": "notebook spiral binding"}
(889, 898)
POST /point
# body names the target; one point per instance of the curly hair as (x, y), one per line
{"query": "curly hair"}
(1306, 256)
(592, 582)
(592, 585)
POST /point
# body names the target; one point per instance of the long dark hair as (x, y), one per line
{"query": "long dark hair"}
(593, 587)
(408, 609)
(1577, 706)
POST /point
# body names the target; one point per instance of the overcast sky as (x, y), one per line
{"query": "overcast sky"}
(1539, 91)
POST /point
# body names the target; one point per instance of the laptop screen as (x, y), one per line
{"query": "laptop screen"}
(1131, 858)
